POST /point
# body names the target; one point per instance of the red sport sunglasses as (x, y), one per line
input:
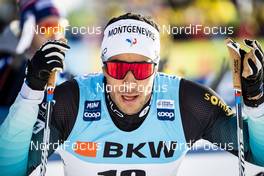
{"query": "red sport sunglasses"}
(119, 69)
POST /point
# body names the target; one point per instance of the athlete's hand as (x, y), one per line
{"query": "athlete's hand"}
(49, 57)
(251, 72)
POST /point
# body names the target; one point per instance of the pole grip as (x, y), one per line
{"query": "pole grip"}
(52, 79)
(236, 64)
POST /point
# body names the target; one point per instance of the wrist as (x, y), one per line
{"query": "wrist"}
(254, 102)
(35, 83)
(28, 93)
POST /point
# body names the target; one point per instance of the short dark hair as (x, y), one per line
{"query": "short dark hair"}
(134, 16)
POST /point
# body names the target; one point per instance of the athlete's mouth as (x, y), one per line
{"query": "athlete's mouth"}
(129, 98)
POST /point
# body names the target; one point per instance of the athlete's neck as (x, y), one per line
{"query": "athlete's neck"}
(124, 121)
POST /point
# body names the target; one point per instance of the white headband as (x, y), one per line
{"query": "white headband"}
(131, 36)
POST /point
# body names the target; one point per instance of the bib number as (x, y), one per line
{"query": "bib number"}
(133, 172)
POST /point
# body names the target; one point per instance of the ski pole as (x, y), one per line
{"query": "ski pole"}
(233, 49)
(46, 137)
(50, 102)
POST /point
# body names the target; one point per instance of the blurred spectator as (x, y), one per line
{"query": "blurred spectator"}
(7, 12)
(19, 41)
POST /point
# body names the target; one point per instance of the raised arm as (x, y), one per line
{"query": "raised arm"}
(16, 130)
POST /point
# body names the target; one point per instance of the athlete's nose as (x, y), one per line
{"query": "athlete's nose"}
(130, 82)
(129, 78)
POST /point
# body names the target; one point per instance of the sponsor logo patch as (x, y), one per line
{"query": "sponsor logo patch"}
(92, 111)
(148, 149)
(87, 149)
(215, 101)
(131, 41)
(165, 110)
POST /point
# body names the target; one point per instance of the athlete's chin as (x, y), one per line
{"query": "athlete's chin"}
(130, 104)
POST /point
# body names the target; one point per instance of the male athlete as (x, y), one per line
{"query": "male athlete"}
(130, 120)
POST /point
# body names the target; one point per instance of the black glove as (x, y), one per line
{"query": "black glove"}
(251, 71)
(50, 56)
(252, 74)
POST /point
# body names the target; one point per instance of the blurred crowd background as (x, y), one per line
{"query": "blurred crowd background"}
(200, 57)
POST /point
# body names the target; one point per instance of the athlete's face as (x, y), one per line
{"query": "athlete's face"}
(129, 94)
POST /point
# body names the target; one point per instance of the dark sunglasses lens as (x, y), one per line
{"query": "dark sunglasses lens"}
(143, 70)
(118, 70)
